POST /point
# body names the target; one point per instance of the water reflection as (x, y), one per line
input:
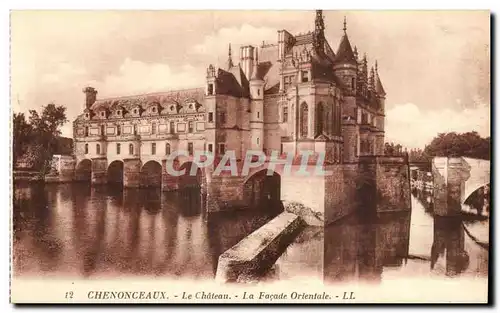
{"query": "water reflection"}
(359, 248)
(76, 229)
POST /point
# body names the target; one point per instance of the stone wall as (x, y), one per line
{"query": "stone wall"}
(385, 184)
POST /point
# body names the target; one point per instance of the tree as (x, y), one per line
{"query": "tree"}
(22, 133)
(38, 137)
(469, 144)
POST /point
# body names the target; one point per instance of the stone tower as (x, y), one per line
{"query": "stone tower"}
(256, 107)
(346, 68)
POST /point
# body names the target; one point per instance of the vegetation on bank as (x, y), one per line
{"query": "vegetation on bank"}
(37, 137)
(469, 144)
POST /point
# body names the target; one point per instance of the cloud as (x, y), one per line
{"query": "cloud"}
(134, 77)
(414, 128)
(216, 44)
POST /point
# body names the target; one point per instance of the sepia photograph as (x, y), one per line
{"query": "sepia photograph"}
(257, 156)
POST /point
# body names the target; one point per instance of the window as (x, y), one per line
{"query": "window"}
(210, 117)
(102, 114)
(86, 148)
(258, 114)
(153, 128)
(319, 119)
(258, 92)
(167, 149)
(102, 129)
(118, 130)
(353, 83)
(135, 111)
(190, 148)
(130, 149)
(118, 148)
(305, 76)
(285, 114)
(210, 89)
(87, 115)
(172, 127)
(97, 149)
(257, 140)
(153, 148)
(135, 130)
(210, 147)
(304, 120)
(222, 117)
(222, 148)
(153, 109)
(118, 112)
(190, 126)
(86, 131)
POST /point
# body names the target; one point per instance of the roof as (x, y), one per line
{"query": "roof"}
(345, 53)
(378, 86)
(232, 82)
(303, 39)
(269, 68)
(162, 98)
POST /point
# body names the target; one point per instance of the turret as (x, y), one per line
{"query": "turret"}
(256, 82)
(211, 81)
(256, 106)
(90, 96)
(345, 63)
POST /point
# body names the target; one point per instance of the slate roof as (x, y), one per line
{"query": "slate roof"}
(345, 53)
(378, 87)
(143, 100)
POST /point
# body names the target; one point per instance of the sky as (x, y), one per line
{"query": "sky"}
(435, 65)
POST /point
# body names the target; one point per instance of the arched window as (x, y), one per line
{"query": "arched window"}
(86, 148)
(320, 121)
(167, 148)
(130, 149)
(97, 149)
(303, 119)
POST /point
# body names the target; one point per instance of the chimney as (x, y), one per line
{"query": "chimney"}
(90, 96)
(246, 59)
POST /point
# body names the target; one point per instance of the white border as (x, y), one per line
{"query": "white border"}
(5, 110)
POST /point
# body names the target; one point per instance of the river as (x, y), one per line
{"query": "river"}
(80, 230)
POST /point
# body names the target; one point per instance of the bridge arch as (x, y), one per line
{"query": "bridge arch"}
(83, 170)
(115, 172)
(263, 190)
(150, 175)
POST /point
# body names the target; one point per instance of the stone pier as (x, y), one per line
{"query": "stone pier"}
(131, 172)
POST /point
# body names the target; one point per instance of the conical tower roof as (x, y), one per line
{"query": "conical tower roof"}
(344, 52)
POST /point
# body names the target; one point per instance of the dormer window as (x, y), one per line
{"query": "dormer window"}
(86, 115)
(118, 112)
(135, 111)
(102, 114)
(171, 108)
(153, 109)
(190, 106)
